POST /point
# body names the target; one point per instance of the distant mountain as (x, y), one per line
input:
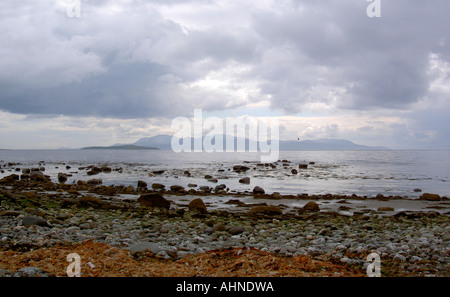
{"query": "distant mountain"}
(325, 145)
(120, 147)
(163, 142)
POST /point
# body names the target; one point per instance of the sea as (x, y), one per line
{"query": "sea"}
(406, 173)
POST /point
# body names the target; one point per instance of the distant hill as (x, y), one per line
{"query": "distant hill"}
(325, 145)
(163, 142)
(120, 147)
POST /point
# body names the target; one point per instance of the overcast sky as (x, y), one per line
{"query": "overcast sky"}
(123, 70)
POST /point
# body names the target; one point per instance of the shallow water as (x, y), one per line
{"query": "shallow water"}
(337, 172)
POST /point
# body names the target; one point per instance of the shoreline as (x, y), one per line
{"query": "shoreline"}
(93, 216)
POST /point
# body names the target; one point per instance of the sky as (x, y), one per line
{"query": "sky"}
(77, 73)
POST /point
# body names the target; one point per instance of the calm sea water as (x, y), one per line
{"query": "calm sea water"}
(335, 172)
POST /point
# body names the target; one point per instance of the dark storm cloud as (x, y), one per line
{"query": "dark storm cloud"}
(128, 60)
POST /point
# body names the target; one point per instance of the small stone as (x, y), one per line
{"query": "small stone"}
(399, 257)
(240, 168)
(415, 259)
(245, 180)
(141, 184)
(176, 188)
(157, 186)
(95, 181)
(145, 246)
(62, 177)
(236, 230)
(219, 227)
(30, 272)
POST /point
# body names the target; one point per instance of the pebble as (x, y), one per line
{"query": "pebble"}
(410, 241)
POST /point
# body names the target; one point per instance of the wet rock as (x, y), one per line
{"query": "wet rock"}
(142, 185)
(240, 168)
(10, 179)
(430, 197)
(94, 181)
(62, 177)
(220, 187)
(311, 206)
(245, 180)
(38, 176)
(106, 169)
(276, 195)
(205, 189)
(176, 188)
(157, 186)
(265, 210)
(158, 171)
(417, 190)
(303, 166)
(192, 185)
(294, 171)
(258, 190)
(94, 170)
(154, 200)
(197, 205)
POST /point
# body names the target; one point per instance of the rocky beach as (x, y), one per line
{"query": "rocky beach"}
(155, 229)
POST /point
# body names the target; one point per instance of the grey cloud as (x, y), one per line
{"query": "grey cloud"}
(136, 63)
(381, 63)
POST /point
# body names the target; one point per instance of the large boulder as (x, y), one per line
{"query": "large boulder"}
(197, 205)
(154, 200)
